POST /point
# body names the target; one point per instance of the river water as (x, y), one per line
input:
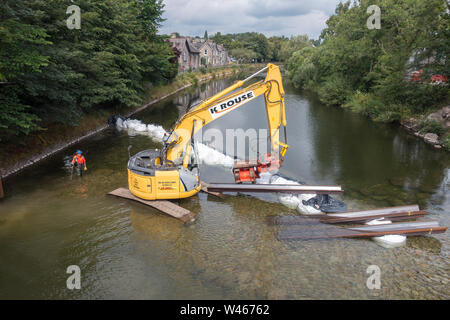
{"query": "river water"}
(49, 221)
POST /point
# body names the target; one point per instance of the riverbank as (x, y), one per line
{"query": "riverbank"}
(433, 128)
(42, 144)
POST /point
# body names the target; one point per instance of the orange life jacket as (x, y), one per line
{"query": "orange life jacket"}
(78, 159)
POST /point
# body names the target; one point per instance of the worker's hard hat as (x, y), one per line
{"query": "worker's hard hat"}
(79, 152)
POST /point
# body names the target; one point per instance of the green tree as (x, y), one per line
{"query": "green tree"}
(243, 55)
(20, 53)
(275, 45)
(52, 74)
(368, 69)
(295, 43)
(273, 48)
(259, 44)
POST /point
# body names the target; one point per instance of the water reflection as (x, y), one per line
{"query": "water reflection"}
(194, 96)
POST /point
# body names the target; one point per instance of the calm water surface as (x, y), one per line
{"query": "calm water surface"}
(127, 250)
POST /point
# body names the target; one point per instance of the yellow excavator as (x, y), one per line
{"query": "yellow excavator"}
(172, 173)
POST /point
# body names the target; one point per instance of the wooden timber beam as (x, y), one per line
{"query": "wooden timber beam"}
(164, 206)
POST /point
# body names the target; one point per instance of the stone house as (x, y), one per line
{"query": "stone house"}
(194, 53)
(213, 54)
(188, 54)
(222, 55)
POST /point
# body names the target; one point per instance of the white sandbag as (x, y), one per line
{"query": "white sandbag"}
(289, 200)
(264, 178)
(292, 201)
(378, 221)
(127, 122)
(119, 123)
(156, 132)
(140, 127)
(136, 125)
(387, 241)
(281, 180)
(390, 241)
(130, 124)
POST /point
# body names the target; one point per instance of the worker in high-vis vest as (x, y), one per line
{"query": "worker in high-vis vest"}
(79, 160)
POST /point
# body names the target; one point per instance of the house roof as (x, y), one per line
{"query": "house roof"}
(193, 46)
(184, 42)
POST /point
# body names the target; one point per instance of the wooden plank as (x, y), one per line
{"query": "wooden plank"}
(2, 194)
(164, 206)
(205, 189)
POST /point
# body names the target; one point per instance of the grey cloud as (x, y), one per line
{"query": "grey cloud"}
(271, 17)
(288, 8)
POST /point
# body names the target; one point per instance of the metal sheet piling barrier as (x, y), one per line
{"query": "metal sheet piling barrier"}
(283, 188)
(330, 232)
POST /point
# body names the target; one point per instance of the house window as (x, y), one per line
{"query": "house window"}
(206, 51)
(184, 56)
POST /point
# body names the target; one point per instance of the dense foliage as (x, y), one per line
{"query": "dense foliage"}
(252, 46)
(52, 74)
(369, 70)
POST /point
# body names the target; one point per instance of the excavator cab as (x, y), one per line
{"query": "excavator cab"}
(151, 179)
(172, 173)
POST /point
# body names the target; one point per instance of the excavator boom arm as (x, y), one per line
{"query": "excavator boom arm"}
(179, 144)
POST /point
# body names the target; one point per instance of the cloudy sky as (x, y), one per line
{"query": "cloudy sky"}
(271, 17)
